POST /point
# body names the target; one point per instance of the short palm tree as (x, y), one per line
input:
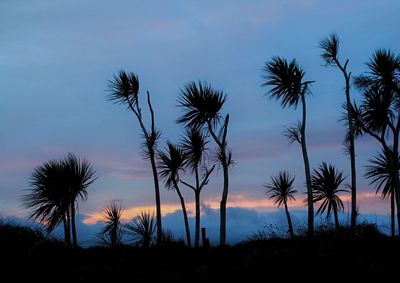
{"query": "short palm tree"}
(142, 229)
(49, 197)
(382, 172)
(171, 163)
(281, 190)
(202, 110)
(195, 146)
(124, 89)
(326, 183)
(57, 185)
(111, 233)
(80, 175)
(286, 80)
(330, 55)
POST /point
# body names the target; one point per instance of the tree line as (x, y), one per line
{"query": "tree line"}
(57, 185)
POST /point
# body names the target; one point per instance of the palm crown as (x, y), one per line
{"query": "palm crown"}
(194, 145)
(201, 103)
(171, 162)
(124, 88)
(326, 185)
(286, 80)
(281, 188)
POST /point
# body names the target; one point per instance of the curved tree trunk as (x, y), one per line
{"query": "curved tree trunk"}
(157, 193)
(185, 218)
(224, 200)
(289, 220)
(307, 170)
(73, 226)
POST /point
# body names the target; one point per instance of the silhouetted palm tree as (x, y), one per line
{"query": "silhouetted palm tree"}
(80, 175)
(142, 229)
(170, 164)
(281, 190)
(111, 233)
(124, 89)
(49, 197)
(202, 105)
(330, 47)
(57, 186)
(194, 145)
(325, 183)
(378, 115)
(382, 171)
(286, 80)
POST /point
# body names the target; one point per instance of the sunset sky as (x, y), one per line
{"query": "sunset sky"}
(56, 57)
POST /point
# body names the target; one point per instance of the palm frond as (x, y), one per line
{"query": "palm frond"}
(142, 229)
(170, 163)
(293, 133)
(330, 49)
(281, 188)
(201, 105)
(124, 88)
(194, 145)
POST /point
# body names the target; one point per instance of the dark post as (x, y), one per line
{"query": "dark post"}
(206, 241)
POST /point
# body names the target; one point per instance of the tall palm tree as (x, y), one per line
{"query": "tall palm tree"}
(281, 190)
(124, 89)
(142, 229)
(326, 186)
(111, 233)
(330, 48)
(286, 80)
(57, 185)
(379, 115)
(171, 162)
(202, 106)
(195, 147)
(382, 171)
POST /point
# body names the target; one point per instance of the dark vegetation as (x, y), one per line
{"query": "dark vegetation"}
(27, 256)
(358, 252)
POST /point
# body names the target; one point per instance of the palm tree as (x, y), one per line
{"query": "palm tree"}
(195, 147)
(330, 48)
(111, 234)
(124, 89)
(382, 171)
(378, 115)
(202, 105)
(281, 190)
(325, 183)
(286, 80)
(79, 175)
(170, 164)
(48, 197)
(57, 185)
(142, 229)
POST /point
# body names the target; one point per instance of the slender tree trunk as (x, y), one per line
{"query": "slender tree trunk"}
(68, 227)
(347, 77)
(335, 214)
(307, 170)
(224, 200)
(197, 227)
(392, 214)
(289, 220)
(67, 238)
(157, 193)
(185, 218)
(396, 179)
(73, 226)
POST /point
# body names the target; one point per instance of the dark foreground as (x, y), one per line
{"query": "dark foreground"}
(368, 257)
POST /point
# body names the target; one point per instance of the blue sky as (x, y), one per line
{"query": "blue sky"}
(56, 58)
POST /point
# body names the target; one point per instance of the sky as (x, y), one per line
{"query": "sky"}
(57, 56)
